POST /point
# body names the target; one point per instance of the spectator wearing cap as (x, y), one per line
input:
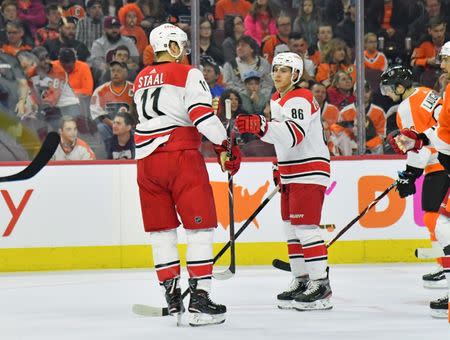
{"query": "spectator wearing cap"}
(70, 8)
(109, 41)
(79, 73)
(90, 28)
(67, 29)
(122, 55)
(112, 97)
(207, 43)
(32, 12)
(247, 59)
(130, 16)
(284, 27)
(51, 30)
(15, 32)
(211, 72)
(253, 100)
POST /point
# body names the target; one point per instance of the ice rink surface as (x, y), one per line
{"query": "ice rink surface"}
(370, 302)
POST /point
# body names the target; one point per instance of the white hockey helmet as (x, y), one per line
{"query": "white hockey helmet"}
(445, 50)
(289, 59)
(161, 36)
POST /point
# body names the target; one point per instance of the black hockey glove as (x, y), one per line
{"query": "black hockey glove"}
(445, 161)
(406, 181)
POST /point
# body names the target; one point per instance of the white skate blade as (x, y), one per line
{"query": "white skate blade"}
(202, 319)
(285, 304)
(439, 313)
(441, 284)
(146, 310)
(227, 274)
(179, 317)
(323, 304)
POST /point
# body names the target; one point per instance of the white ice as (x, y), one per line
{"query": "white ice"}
(370, 302)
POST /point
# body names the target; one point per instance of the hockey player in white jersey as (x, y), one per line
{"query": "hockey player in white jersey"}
(174, 104)
(304, 166)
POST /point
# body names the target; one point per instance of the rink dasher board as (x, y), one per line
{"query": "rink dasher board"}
(79, 216)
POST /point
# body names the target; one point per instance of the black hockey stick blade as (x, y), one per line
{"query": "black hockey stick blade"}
(46, 152)
(282, 265)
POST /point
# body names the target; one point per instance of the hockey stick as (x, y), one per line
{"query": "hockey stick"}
(45, 153)
(146, 310)
(280, 264)
(229, 273)
(428, 253)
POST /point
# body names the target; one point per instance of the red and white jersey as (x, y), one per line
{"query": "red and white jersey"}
(168, 96)
(420, 111)
(297, 134)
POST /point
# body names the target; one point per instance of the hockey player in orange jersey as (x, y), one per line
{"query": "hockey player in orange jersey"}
(419, 110)
(173, 101)
(412, 141)
(304, 166)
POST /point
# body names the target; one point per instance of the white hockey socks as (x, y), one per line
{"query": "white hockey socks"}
(314, 250)
(295, 251)
(443, 236)
(165, 254)
(199, 256)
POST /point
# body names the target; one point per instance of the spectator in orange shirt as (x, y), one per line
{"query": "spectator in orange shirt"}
(15, 32)
(80, 76)
(373, 58)
(230, 7)
(423, 58)
(130, 16)
(329, 112)
(284, 27)
(51, 30)
(324, 36)
(259, 23)
(336, 58)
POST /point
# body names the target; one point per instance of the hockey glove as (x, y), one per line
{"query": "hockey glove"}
(408, 140)
(406, 181)
(255, 124)
(232, 164)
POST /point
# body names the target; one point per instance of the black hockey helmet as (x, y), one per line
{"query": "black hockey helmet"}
(396, 75)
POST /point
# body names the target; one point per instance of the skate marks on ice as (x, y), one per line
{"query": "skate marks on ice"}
(369, 302)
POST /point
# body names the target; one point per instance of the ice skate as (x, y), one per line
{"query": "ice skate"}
(203, 310)
(316, 296)
(297, 286)
(435, 279)
(439, 308)
(173, 298)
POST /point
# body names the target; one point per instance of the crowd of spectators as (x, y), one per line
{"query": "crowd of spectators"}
(69, 65)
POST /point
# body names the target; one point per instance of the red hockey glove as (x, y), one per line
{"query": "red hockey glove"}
(255, 124)
(232, 164)
(407, 140)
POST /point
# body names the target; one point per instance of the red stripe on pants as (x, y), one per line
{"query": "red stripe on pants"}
(315, 251)
(295, 249)
(200, 270)
(168, 273)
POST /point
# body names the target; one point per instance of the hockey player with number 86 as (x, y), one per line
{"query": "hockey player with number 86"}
(304, 167)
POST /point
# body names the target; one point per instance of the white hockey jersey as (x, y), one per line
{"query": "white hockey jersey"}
(297, 134)
(169, 96)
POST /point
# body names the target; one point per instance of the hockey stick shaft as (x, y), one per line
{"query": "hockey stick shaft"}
(45, 153)
(280, 264)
